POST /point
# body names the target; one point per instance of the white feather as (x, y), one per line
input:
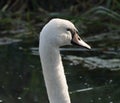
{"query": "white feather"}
(53, 35)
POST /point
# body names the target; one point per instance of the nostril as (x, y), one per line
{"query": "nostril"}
(79, 38)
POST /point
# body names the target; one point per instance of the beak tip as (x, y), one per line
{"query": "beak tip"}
(89, 47)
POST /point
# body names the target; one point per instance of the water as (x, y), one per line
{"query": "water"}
(92, 76)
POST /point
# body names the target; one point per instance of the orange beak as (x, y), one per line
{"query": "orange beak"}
(78, 41)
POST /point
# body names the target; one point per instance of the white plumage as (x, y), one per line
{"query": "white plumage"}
(56, 33)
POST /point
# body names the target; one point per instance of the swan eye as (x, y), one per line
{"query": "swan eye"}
(72, 31)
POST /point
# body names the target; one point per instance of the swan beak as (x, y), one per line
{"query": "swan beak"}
(78, 41)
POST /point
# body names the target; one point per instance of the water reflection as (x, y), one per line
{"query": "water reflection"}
(22, 81)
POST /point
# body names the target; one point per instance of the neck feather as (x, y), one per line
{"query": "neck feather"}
(54, 76)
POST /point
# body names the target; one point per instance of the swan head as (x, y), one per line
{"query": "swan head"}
(60, 32)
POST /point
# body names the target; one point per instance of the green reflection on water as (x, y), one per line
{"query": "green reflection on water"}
(22, 81)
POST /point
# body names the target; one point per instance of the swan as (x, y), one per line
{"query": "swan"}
(56, 33)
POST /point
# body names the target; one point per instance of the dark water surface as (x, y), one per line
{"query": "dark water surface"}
(93, 76)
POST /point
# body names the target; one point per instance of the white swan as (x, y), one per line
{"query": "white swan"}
(56, 33)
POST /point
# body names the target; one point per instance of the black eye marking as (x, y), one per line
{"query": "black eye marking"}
(76, 31)
(72, 31)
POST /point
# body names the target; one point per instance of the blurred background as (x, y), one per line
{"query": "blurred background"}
(92, 76)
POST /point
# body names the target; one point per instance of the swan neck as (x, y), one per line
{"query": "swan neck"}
(54, 76)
